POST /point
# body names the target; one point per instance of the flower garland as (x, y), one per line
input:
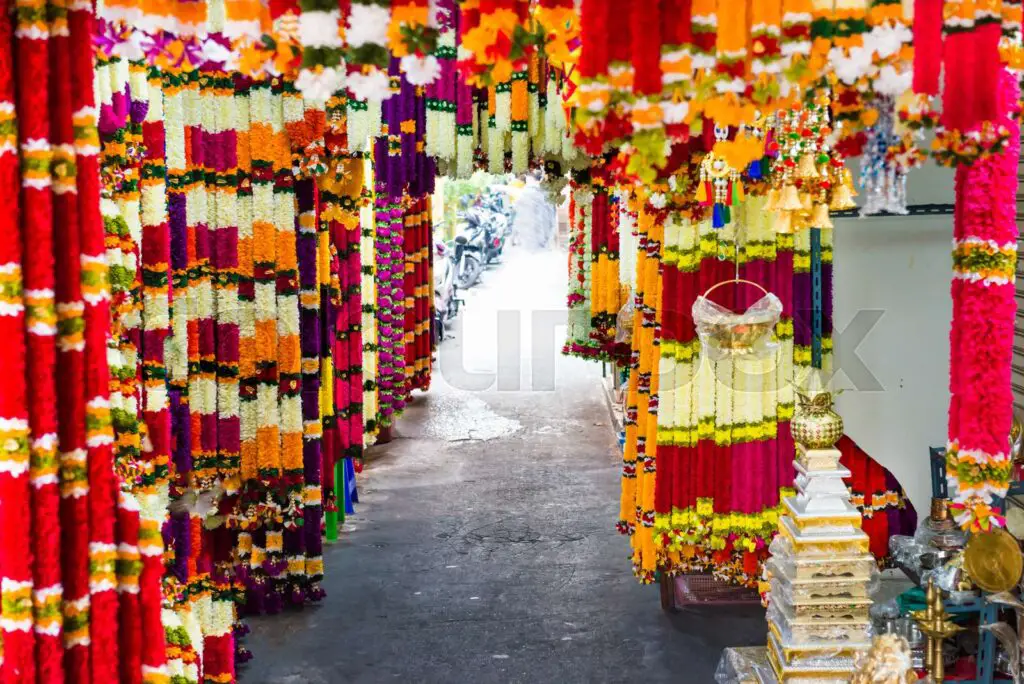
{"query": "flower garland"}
(390, 268)
(766, 48)
(796, 37)
(418, 294)
(495, 40)
(349, 345)
(367, 55)
(176, 16)
(202, 474)
(124, 104)
(350, 200)
(152, 490)
(265, 109)
(557, 140)
(605, 299)
(103, 603)
(321, 34)
(722, 456)
(221, 168)
(341, 195)
(978, 464)
(245, 19)
(441, 122)
(310, 340)
(72, 275)
(183, 660)
(413, 38)
(519, 117)
(289, 353)
(26, 305)
(636, 515)
(465, 111)
(648, 137)
(370, 334)
(578, 342)
(201, 309)
(558, 24)
(677, 68)
(969, 129)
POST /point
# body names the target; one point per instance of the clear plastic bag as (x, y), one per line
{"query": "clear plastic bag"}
(745, 665)
(838, 588)
(831, 566)
(724, 333)
(624, 322)
(791, 632)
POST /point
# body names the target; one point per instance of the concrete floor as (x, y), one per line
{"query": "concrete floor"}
(484, 547)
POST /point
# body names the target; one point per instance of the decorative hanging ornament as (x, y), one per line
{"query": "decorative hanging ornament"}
(720, 186)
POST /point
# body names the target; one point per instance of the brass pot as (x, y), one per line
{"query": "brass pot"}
(815, 424)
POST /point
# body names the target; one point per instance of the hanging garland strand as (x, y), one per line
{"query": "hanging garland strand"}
(35, 314)
(99, 435)
(71, 428)
(978, 464)
(153, 490)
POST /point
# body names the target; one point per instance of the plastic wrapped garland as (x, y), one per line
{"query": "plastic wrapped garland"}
(883, 176)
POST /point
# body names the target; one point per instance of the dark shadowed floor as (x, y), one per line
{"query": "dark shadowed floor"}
(484, 548)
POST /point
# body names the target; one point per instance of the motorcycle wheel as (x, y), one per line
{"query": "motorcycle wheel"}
(469, 272)
(438, 330)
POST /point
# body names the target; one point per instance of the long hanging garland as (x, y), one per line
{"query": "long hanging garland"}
(978, 465)
(103, 604)
(24, 306)
(636, 516)
(152, 490)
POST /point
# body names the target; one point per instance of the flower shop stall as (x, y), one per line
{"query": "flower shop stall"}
(217, 264)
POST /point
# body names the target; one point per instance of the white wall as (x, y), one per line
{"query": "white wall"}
(900, 266)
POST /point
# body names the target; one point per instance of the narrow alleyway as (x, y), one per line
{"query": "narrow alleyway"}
(484, 548)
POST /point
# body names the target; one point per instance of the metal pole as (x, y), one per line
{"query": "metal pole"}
(816, 314)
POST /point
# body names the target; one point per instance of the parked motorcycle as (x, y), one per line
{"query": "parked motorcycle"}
(470, 250)
(498, 219)
(493, 226)
(499, 202)
(446, 301)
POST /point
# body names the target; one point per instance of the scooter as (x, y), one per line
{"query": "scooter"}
(497, 220)
(497, 230)
(470, 248)
(446, 300)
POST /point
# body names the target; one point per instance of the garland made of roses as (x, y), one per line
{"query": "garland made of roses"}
(978, 462)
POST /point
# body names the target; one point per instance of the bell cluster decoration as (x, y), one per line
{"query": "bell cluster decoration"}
(810, 178)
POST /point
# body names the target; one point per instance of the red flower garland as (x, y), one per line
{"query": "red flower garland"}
(645, 26)
(99, 435)
(70, 361)
(594, 53)
(17, 663)
(156, 256)
(981, 336)
(927, 46)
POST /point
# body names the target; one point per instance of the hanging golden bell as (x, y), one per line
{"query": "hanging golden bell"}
(789, 199)
(806, 203)
(806, 168)
(800, 221)
(772, 202)
(820, 217)
(842, 198)
(783, 222)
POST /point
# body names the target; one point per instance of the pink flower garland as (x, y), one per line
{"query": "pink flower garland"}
(981, 340)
